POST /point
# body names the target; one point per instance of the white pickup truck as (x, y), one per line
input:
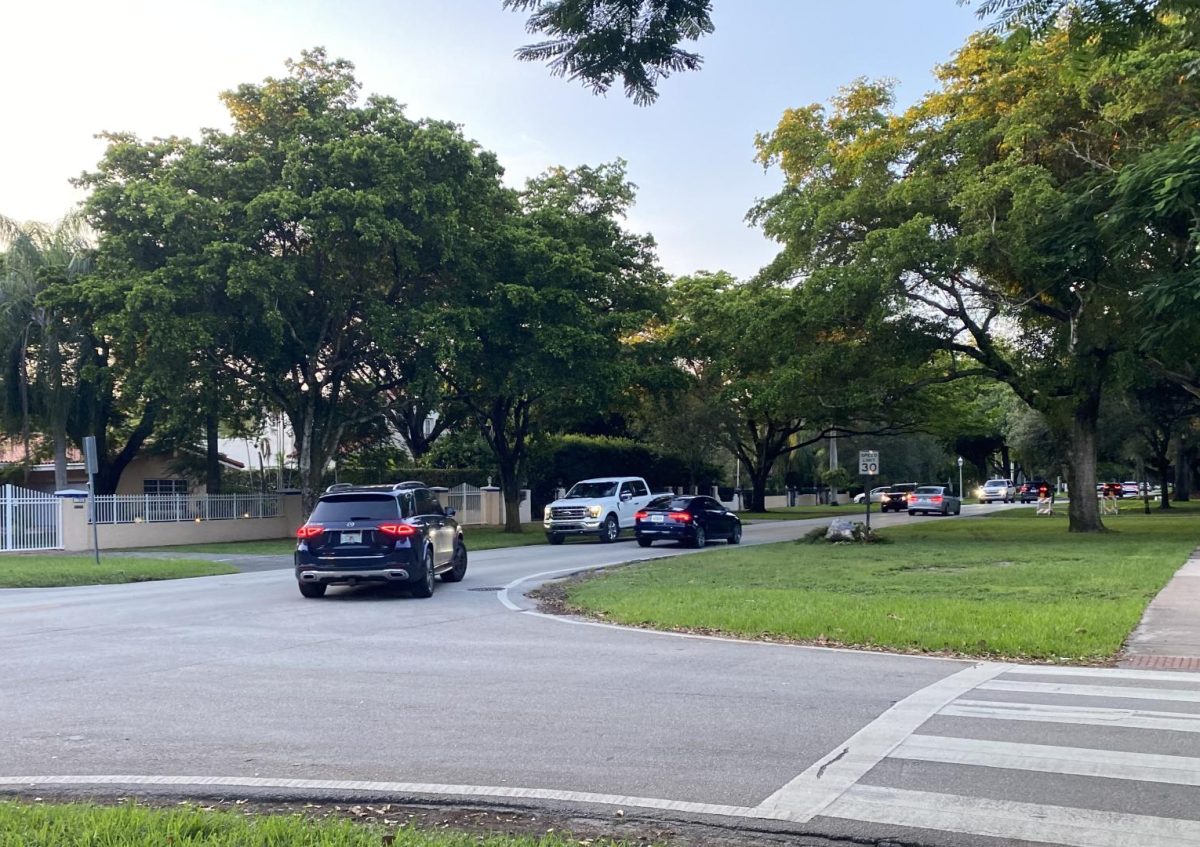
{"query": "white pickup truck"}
(602, 507)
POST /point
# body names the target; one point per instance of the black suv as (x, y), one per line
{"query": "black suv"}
(397, 534)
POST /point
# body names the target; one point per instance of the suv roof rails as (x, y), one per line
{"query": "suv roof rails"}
(411, 483)
(339, 486)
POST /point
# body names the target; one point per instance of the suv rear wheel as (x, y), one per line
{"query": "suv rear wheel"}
(424, 587)
(312, 590)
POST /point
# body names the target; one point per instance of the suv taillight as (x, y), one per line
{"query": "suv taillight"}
(309, 531)
(397, 530)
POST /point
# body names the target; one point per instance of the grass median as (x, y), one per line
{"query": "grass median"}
(128, 825)
(1010, 585)
(39, 571)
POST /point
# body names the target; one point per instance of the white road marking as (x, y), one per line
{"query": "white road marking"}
(1190, 677)
(1085, 715)
(821, 784)
(1016, 821)
(1114, 691)
(398, 788)
(1077, 761)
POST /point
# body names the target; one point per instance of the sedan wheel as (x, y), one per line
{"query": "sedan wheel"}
(735, 537)
(699, 540)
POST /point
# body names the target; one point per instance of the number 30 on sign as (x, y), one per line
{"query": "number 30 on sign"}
(868, 462)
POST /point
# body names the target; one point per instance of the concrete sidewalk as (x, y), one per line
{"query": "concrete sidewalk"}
(1168, 638)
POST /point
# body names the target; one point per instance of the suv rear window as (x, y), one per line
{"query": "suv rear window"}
(356, 507)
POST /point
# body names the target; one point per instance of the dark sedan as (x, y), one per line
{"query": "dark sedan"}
(691, 519)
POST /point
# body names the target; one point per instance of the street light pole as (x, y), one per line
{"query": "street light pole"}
(960, 488)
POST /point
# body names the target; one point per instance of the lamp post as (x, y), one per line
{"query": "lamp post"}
(960, 488)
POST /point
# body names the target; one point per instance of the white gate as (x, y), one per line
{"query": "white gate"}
(467, 502)
(30, 520)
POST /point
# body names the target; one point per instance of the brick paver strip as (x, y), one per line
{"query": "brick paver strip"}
(1163, 663)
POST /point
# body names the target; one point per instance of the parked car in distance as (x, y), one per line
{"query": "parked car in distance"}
(1110, 489)
(397, 534)
(876, 495)
(998, 490)
(1034, 489)
(599, 507)
(1133, 489)
(934, 499)
(692, 519)
(895, 499)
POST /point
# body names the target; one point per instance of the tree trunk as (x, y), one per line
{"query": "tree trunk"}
(59, 436)
(212, 456)
(1164, 468)
(510, 487)
(1184, 458)
(1084, 508)
(758, 481)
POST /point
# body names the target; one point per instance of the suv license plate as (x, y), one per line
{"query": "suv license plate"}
(352, 538)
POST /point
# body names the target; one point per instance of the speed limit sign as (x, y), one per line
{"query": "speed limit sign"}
(868, 462)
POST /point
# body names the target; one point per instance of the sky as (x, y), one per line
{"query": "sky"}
(74, 68)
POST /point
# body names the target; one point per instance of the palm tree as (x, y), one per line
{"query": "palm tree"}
(35, 336)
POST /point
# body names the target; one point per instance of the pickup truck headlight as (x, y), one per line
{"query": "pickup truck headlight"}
(546, 513)
(594, 511)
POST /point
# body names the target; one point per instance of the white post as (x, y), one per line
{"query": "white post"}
(8, 517)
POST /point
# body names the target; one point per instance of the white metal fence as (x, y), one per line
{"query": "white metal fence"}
(29, 520)
(149, 508)
(467, 502)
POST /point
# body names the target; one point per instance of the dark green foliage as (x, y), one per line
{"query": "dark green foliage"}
(597, 41)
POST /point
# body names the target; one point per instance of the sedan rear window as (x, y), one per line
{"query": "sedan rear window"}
(928, 490)
(356, 507)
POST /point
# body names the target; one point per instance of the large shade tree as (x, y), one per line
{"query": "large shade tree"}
(546, 331)
(990, 207)
(299, 255)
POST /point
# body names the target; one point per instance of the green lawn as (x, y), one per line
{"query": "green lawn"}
(41, 571)
(1010, 585)
(127, 825)
(478, 538)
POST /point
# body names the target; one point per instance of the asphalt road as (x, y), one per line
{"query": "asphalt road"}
(238, 683)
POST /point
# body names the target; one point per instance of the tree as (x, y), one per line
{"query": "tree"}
(595, 41)
(790, 367)
(1162, 411)
(988, 208)
(304, 252)
(548, 327)
(35, 333)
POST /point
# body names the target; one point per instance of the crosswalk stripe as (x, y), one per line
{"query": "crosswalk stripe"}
(1110, 673)
(1011, 820)
(1077, 761)
(1085, 715)
(1116, 691)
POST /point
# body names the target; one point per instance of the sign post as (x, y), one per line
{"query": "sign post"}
(89, 457)
(868, 466)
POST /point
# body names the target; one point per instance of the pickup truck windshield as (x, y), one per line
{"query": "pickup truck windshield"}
(592, 489)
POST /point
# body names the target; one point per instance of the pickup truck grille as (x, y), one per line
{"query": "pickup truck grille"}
(569, 513)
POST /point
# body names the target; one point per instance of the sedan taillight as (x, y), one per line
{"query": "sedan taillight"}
(641, 516)
(680, 517)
